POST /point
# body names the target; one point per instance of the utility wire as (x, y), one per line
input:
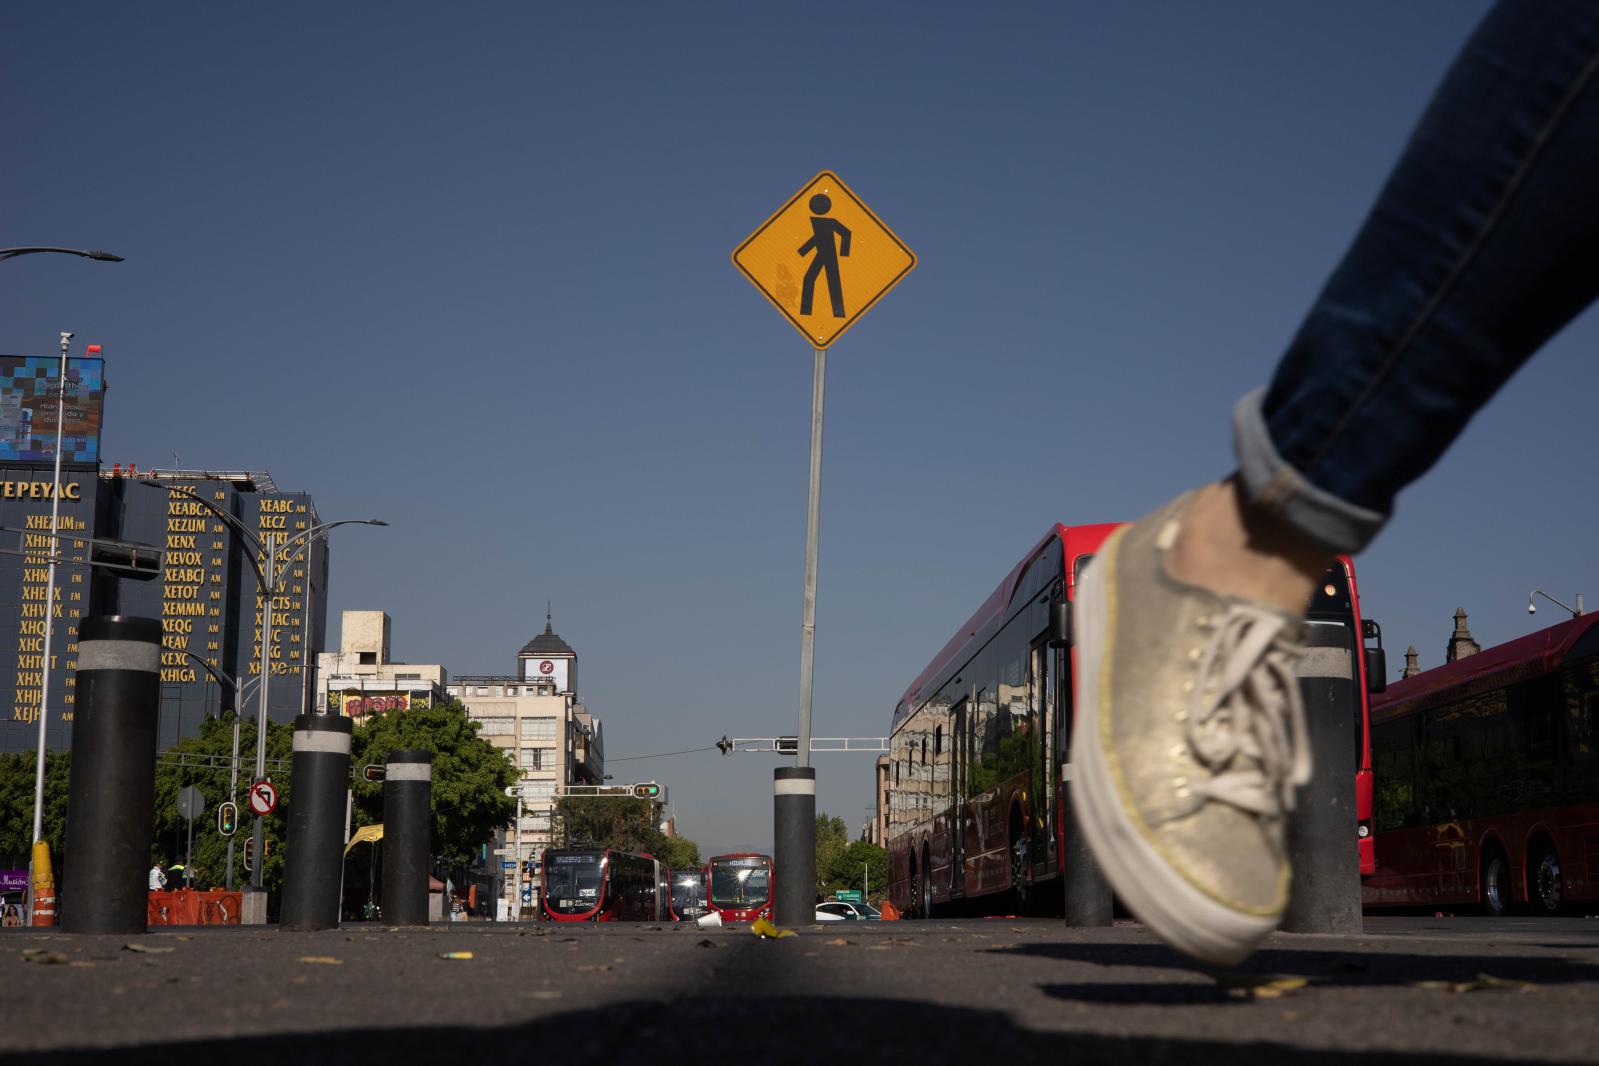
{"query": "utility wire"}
(662, 755)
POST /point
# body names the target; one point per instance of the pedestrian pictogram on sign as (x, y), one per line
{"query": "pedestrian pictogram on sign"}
(824, 259)
(263, 798)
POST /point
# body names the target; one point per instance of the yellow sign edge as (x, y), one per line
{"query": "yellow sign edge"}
(851, 320)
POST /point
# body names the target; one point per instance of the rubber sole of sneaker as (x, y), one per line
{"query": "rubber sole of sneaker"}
(1157, 895)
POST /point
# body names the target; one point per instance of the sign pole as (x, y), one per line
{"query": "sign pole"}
(794, 788)
(813, 521)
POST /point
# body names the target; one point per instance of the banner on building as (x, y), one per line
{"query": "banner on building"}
(28, 404)
(359, 705)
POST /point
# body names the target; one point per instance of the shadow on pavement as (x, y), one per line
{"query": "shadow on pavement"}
(778, 1030)
(1324, 968)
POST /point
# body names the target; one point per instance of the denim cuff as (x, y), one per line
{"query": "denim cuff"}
(1272, 485)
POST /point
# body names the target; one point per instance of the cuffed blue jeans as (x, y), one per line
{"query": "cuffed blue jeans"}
(1483, 244)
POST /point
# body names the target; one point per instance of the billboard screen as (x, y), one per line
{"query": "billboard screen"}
(28, 409)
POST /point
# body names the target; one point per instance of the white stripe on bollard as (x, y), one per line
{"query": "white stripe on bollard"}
(409, 771)
(120, 655)
(322, 740)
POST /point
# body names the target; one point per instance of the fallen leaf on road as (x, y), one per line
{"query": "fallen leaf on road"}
(145, 949)
(44, 958)
(81, 965)
(1483, 982)
(326, 960)
(544, 994)
(1261, 986)
(838, 942)
(601, 968)
(457, 956)
(709, 944)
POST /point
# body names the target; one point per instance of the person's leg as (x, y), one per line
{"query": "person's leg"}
(1485, 241)
(1483, 244)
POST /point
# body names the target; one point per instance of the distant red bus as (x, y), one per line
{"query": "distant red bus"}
(740, 886)
(688, 895)
(1487, 778)
(600, 885)
(978, 742)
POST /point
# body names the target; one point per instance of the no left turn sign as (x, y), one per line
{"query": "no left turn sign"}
(263, 798)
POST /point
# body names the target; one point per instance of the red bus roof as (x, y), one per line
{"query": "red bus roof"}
(990, 617)
(1504, 664)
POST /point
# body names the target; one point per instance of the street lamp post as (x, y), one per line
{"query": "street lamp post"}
(275, 555)
(50, 597)
(233, 763)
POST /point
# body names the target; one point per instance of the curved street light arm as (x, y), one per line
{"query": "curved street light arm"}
(296, 546)
(238, 526)
(90, 253)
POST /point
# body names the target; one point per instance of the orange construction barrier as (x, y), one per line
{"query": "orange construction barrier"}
(187, 906)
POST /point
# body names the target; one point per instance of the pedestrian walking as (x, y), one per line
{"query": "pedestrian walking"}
(1190, 740)
(158, 877)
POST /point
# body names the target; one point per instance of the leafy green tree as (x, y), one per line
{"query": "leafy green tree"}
(214, 742)
(680, 853)
(860, 866)
(619, 822)
(470, 776)
(831, 840)
(16, 805)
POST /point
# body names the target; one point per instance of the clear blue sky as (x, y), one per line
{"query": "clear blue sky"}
(465, 267)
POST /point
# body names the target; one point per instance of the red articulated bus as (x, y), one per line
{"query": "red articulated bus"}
(741, 886)
(600, 885)
(979, 741)
(1487, 778)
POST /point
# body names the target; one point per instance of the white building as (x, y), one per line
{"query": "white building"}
(360, 679)
(535, 715)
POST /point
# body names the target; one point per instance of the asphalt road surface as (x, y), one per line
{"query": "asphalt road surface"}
(1410, 990)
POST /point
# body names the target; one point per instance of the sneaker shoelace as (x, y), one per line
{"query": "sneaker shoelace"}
(1246, 722)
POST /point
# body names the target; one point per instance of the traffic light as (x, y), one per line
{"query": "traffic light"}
(249, 853)
(647, 790)
(228, 819)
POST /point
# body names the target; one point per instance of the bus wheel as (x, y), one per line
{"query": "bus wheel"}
(1495, 883)
(927, 890)
(1543, 880)
(1018, 873)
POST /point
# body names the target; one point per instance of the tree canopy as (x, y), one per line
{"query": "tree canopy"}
(842, 864)
(623, 823)
(17, 771)
(470, 775)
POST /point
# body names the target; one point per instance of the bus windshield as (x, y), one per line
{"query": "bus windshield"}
(572, 880)
(740, 882)
(688, 891)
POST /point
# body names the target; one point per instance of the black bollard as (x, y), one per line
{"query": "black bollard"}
(1322, 842)
(794, 845)
(1088, 895)
(111, 798)
(315, 860)
(407, 836)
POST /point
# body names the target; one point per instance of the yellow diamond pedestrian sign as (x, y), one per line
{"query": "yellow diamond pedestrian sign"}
(824, 259)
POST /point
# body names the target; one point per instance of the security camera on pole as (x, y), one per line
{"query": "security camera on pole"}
(820, 229)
